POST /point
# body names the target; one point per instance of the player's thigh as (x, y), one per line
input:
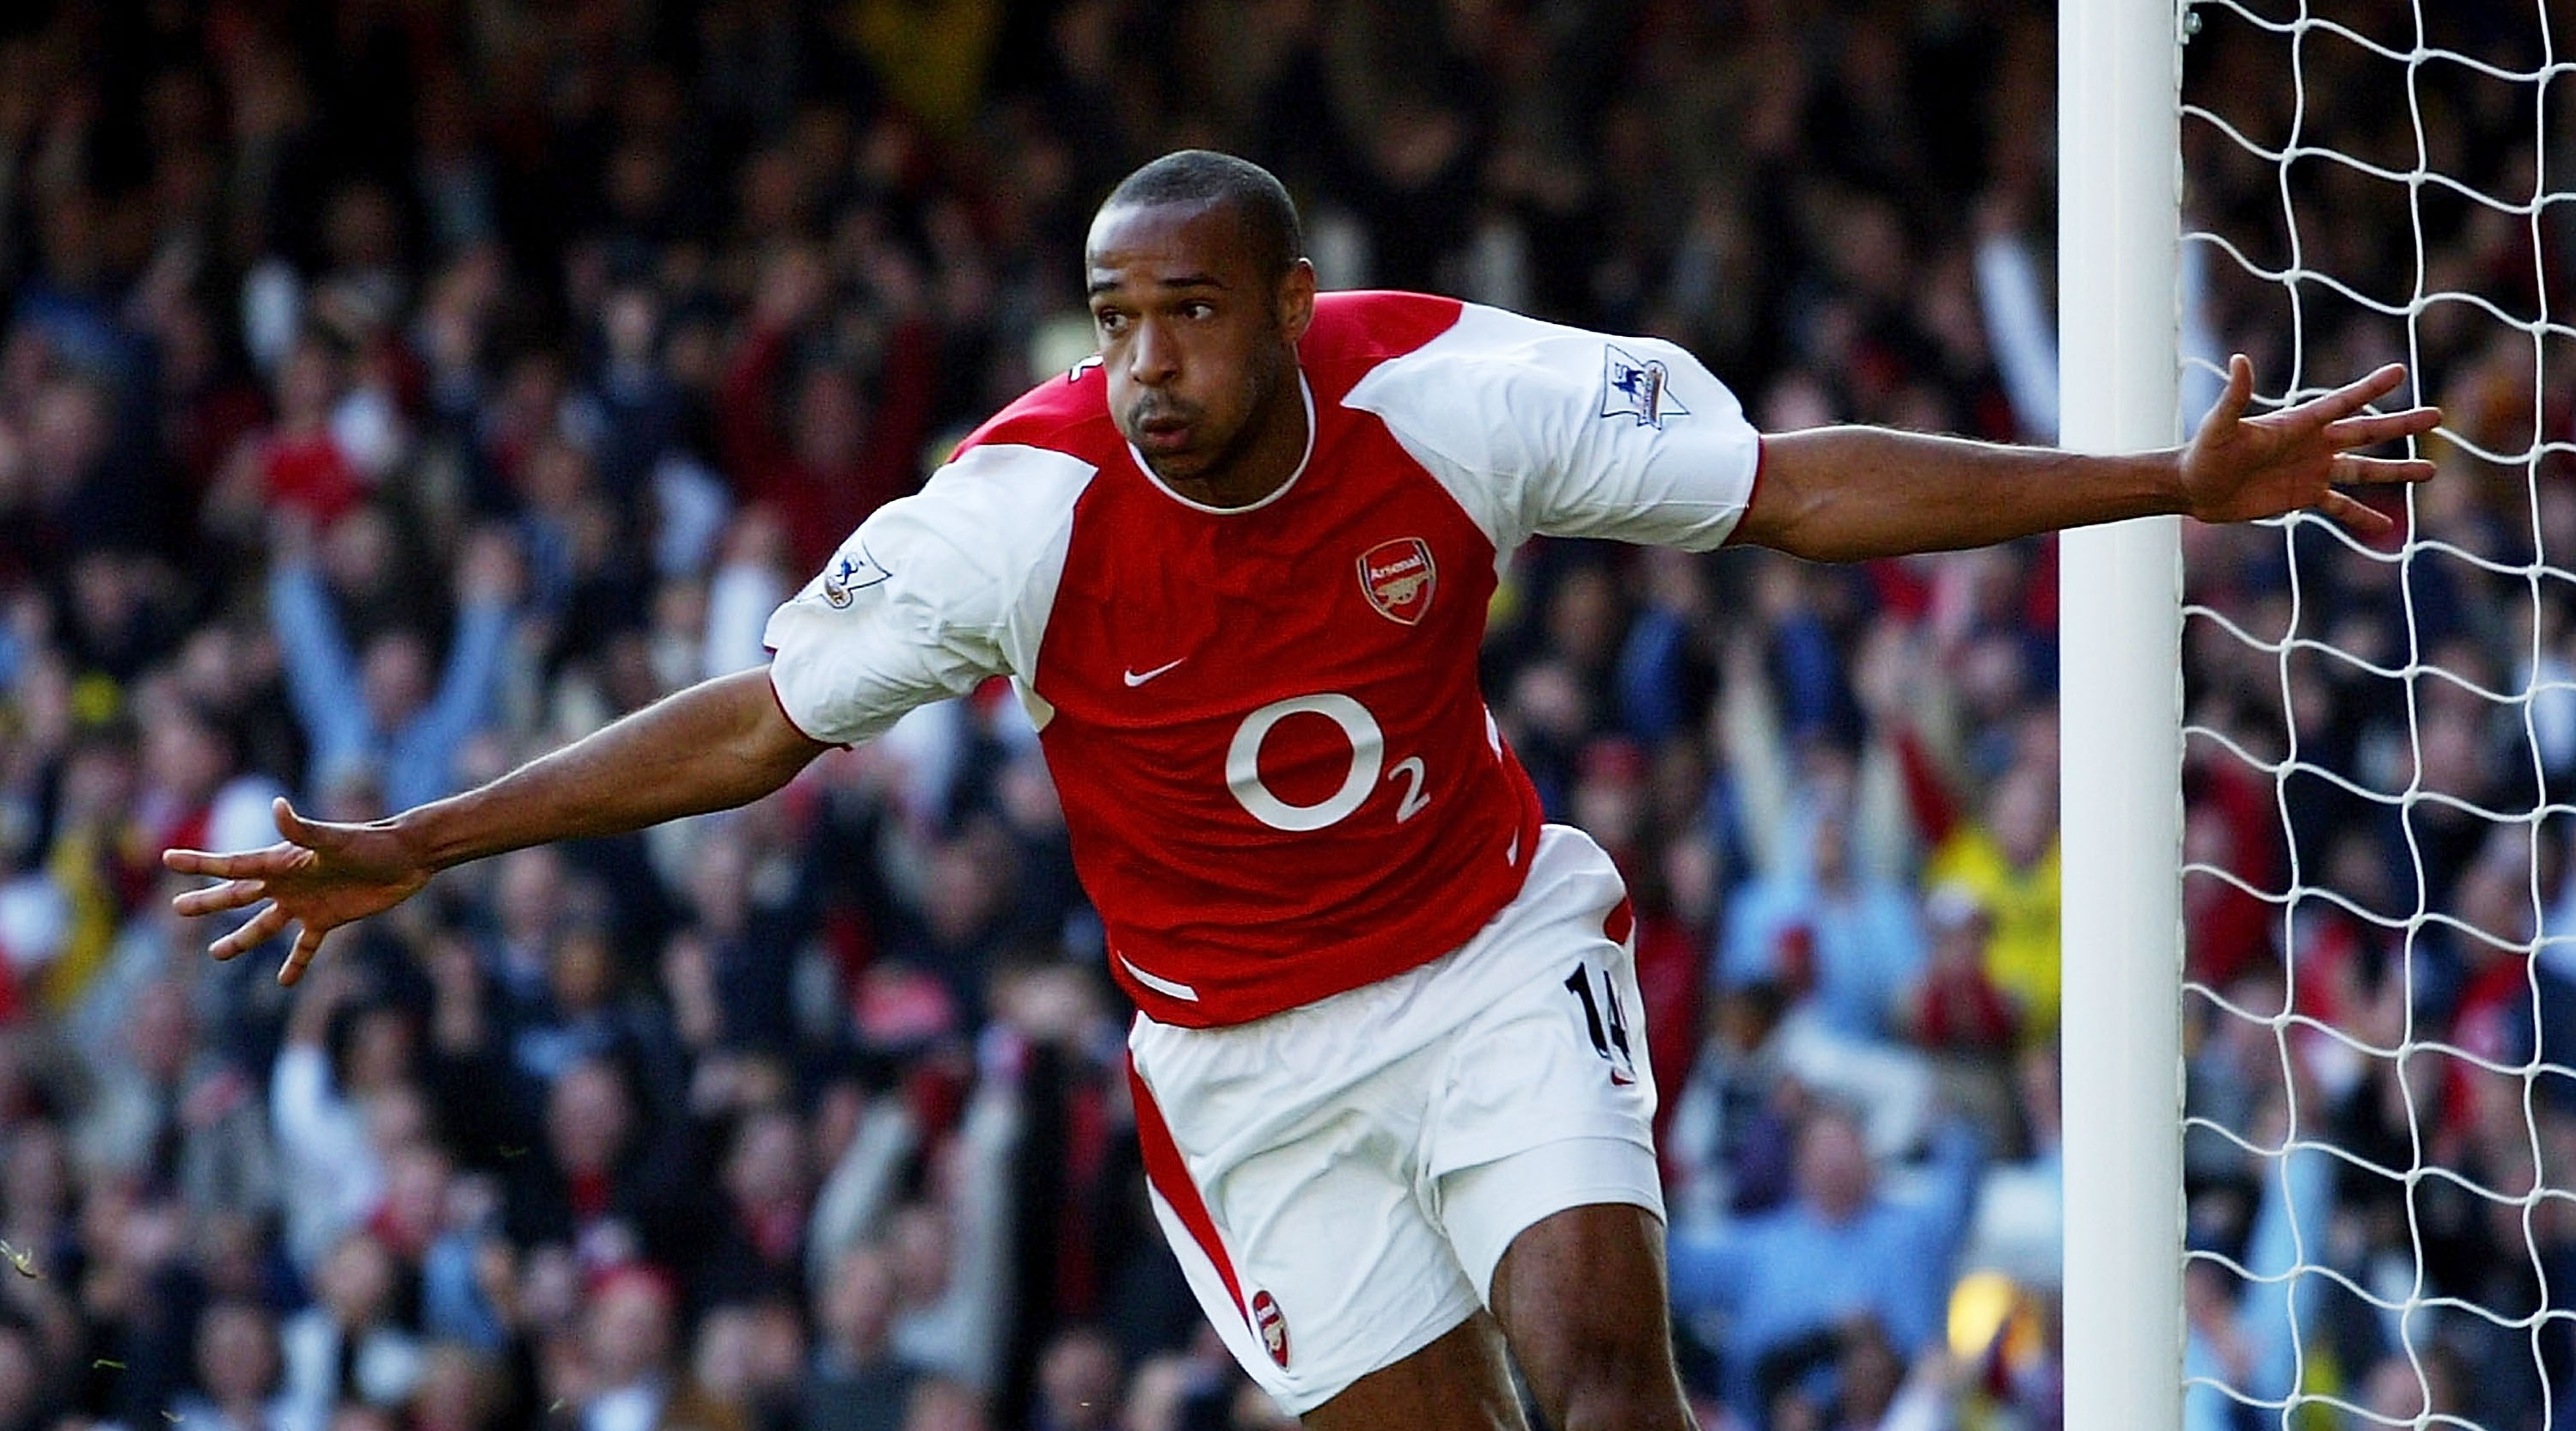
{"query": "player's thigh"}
(1581, 1297)
(1460, 1382)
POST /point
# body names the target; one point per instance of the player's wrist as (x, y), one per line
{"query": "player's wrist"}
(2173, 470)
(2164, 478)
(429, 838)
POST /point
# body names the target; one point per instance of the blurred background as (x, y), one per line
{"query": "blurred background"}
(391, 390)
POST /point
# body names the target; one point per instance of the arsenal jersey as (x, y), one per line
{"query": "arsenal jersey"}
(1279, 776)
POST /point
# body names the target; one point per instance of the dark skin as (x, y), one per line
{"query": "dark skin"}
(1199, 346)
(1198, 339)
(1846, 493)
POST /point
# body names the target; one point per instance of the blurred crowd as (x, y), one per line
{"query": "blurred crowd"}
(2382, 744)
(393, 389)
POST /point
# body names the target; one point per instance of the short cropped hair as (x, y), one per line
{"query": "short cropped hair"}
(1271, 233)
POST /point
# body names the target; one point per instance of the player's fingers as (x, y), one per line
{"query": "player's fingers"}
(2239, 392)
(214, 899)
(258, 930)
(308, 942)
(2369, 429)
(2354, 516)
(308, 840)
(2353, 396)
(207, 862)
(294, 827)
(241, 864)
(2382, 470)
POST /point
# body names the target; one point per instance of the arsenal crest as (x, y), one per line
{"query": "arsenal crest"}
(1266, 1319)
(1398, 578)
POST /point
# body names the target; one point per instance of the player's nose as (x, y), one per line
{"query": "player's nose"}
(1152, 357)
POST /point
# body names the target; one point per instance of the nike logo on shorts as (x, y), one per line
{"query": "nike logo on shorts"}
(1138, 678)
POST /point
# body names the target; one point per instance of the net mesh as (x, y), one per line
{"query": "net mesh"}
(2380, 739)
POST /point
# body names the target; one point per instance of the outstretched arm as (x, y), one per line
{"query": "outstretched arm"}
(1845, 493)
(715, 745)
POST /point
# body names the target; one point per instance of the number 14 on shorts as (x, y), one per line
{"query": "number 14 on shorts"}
(1604, 1021)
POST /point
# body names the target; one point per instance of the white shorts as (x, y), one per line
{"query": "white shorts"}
(1339, 1181)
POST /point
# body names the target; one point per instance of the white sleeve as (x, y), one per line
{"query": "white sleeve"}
(1539, 429)
(933, 593)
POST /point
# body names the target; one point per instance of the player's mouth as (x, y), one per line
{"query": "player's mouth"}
(1163, 432)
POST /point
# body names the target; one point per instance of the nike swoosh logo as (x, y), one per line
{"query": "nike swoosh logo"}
(1138, 678)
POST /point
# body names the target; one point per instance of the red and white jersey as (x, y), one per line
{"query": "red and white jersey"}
(1279, 775)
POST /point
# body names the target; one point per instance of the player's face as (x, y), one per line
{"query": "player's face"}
(1199, 346)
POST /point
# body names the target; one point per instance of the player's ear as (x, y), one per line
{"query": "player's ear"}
(1296, 299)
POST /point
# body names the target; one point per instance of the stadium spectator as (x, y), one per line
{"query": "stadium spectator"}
(1954, 1004)
(605, 1180)
(238, 1374)
(2009, 861)
(844, 444)
(859, 1381)
(459, 1391)
(2244, 1330)
(1828, 933)
(628, 1376)
(751, 1354)
(1078, 1377)
(350, 1346)
(948, 1251)
(757, 1248)
(172, 1113)
(339, 1099)
(1839, 1249)
(378, 719)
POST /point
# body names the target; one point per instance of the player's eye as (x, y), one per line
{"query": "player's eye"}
(1109, 320)
(1197, 311)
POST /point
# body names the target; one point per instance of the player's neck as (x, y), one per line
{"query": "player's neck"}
(1261, 466)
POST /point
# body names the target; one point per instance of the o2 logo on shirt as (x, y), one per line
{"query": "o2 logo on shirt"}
(1368, 764)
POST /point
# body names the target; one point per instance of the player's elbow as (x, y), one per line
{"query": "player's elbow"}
(1794, 507)
(1809, 527)
(764, 748)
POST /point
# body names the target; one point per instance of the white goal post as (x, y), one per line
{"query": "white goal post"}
(2119, 207)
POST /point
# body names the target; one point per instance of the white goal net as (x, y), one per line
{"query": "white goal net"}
(2380, 736)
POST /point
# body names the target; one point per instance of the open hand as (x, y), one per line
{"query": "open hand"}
(2239, 468)
(319, 877)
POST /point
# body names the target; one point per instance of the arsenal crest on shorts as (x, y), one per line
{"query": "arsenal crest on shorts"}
(1398, 578)
(1266, 1319)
